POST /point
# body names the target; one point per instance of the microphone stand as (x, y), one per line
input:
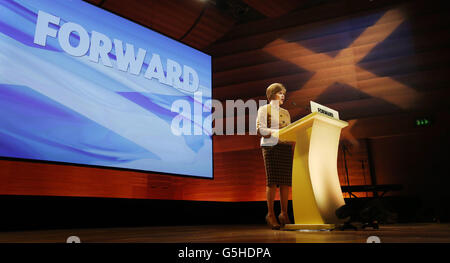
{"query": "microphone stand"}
(344, 150)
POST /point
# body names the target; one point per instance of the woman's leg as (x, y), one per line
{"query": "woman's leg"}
(271, 191)
(284, 201)
(271, 219)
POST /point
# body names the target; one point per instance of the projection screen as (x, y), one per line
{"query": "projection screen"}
(80, 85)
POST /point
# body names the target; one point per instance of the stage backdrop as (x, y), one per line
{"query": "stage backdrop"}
(81, 85)
(381, 62)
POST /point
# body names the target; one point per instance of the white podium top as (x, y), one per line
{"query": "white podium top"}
(309, 118)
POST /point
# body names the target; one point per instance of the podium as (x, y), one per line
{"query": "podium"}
(316, 191)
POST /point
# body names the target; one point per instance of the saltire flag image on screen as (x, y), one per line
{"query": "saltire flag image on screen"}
(81, 85)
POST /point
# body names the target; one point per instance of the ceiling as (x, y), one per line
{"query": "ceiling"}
(199, 23)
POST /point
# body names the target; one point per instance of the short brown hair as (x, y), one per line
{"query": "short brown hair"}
(273, 89)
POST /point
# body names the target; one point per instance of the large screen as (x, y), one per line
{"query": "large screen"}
(81, 85)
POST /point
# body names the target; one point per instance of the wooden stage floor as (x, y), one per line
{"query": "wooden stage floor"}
(398, 233)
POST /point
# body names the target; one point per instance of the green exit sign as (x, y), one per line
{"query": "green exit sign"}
(421, 122)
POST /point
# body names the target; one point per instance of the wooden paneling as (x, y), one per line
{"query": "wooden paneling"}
(394, 61)
(417, 161)
(354, 166)
(239, 176)
(302, 64)
(172, 18)
(307, 16)
(274, 8)
(196, 23)
(212, 25)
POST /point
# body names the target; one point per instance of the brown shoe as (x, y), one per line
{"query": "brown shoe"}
(272, 223)
(284, 219)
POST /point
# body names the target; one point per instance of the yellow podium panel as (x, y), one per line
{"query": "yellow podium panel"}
(316, 191)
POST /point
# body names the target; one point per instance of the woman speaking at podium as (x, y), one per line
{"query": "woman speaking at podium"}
(277, 155)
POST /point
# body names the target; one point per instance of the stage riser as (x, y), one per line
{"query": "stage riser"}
(45, 212)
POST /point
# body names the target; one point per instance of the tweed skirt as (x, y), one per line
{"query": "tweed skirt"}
(278, 164)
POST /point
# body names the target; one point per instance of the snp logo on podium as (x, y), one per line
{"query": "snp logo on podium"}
(316, 107)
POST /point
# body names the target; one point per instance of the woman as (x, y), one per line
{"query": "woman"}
(277, 155)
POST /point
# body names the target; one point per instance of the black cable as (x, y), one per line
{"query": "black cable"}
(364, 175)
(195, 22)
(346, 169)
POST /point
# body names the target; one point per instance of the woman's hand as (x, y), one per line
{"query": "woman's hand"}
(268, 135)
(275, 133)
